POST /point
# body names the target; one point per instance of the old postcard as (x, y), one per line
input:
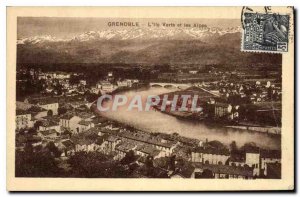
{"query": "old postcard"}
(150, 98)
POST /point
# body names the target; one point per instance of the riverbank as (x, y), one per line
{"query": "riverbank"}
(269, 130)
(157, 122)
(193, 117)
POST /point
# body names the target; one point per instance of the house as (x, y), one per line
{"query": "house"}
(102, 131)
(84, 125)
(183, 170)
(166, 147)
(122, 83)
(50, 104)
(82, 82)
(23, 119)
(269, 157)
(193, 72)
(86, 145)
(222, 110)
(234, 113)
(87, 141)
(273, 170)
(58, 75)
(123, 148)
(251, 158)
(94, 90)
(105, 86)
(49, 134)
(221, 171)
(42, 76)
(67, 147)
(34, 140)
(209, 155)
(148, 151)
(237, 160)
(37, 112)
(110, 143)
(49, 125)
(77, 104)
(65, 83)
(70, 122)
(125, 83)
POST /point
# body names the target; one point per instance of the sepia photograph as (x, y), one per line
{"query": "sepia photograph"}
(153, 97)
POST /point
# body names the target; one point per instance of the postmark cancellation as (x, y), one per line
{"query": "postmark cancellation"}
(265, 32)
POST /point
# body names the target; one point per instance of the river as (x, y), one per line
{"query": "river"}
(155, 121)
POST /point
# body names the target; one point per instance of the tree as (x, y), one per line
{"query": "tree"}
(61, 110)
(53, 149)
(37, 124)
(233, 147)
(36, 164)
(249, 145)
(95, 165)
(207, 174)
(172, 162)
(50, 113)
(129, 157)
(216, 144)
(149, 166)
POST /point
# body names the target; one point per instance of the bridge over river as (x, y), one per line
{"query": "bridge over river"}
(170, 85)
(181, 86)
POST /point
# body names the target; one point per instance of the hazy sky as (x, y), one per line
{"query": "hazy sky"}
(62, 27)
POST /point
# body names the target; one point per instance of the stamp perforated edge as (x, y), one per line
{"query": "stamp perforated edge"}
(290, 34)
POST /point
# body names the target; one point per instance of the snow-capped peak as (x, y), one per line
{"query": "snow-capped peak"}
(137, 33)
(39, 39)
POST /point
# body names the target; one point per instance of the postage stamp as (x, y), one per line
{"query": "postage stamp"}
(265, 32)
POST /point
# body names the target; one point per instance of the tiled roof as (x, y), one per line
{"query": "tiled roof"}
(112, 138)
(84, 115)
(226, 169)
(67, 116)
(274, 170)
(146, 139)
(274, 154)
(186, 170)
(48, 132)
(148, 150)
(84, 122)
(93, 130)
(85, 141)
(21, 112)
(213, 151)
(125, 146)
(162, 162)
(49, 123)
(237, 158)
(44, 101)
(68, 144)
(36, 109)
(252, 149)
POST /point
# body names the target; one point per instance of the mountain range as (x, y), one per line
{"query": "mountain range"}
(142, 45)
(137, 33)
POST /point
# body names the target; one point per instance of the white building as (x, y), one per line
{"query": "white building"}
(105, 86)
(193, 72)
(210, 156)
(23, 119)
(222, 109)
(82, 82)
(48, 125)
